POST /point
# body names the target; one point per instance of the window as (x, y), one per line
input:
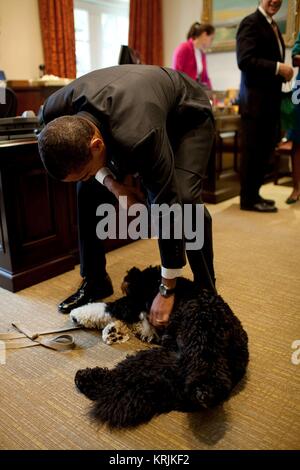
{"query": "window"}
(82, 37)
(101, 27)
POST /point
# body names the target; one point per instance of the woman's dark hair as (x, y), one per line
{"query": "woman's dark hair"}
(197, 29)
(64, 145)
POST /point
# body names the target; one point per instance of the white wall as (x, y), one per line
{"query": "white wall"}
(223, 70)
(20, 39)
(178, 15)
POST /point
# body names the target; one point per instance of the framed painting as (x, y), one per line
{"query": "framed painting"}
(226, 16)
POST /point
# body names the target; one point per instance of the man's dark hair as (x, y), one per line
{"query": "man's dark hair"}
(199, 28)
(64, 145)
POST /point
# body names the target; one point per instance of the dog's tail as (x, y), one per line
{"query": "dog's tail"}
(141, 386)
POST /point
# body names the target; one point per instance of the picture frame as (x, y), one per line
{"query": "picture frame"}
(226, 15)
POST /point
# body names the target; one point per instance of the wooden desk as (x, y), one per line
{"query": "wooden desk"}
(31, 96)
(221, 185)
(38, 219)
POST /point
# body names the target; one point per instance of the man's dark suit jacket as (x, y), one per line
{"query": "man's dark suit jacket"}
(140, 111)
(257, 55)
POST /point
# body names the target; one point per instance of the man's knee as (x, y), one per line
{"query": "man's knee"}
(190, 185)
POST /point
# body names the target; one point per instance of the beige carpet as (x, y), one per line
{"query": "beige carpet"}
(257, 259)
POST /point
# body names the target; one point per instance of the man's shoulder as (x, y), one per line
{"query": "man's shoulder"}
(253, 23)
(253, 18)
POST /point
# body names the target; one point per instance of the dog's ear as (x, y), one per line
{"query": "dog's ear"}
(152, 273)
(132, 275)
(143, 285)
(131, 282)
(133, 272)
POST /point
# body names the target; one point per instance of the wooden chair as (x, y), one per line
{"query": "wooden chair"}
(283, 149)
(9, 107)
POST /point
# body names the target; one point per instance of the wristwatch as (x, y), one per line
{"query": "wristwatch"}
(165, 291)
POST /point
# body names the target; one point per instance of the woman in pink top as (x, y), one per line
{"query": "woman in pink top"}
(189, 57)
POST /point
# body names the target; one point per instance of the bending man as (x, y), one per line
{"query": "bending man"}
(123, 120)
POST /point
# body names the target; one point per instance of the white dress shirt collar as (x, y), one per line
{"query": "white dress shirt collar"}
(198, 58)
(270, 21)
(269, 18)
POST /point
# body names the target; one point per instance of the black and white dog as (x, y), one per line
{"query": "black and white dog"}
(202, 353)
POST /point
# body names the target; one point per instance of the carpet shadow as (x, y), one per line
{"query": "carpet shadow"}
(209, 426)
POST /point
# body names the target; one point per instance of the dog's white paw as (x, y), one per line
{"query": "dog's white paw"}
(144, 330)
(115, 332)
(92, 315)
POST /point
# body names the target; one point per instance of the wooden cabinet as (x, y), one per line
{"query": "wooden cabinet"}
(38, 219)
(221, 183)
(36, 238)
(31, 96)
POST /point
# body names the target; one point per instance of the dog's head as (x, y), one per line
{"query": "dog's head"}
(142, 285)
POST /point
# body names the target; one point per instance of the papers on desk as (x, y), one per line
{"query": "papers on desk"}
(47, 80)
(53, 80)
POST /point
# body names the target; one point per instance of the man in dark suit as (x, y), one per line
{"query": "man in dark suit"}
(119, 121)
(260, 56)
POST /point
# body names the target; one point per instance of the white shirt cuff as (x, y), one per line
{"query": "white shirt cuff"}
(102, 173)
(277, 68)
(168, 273)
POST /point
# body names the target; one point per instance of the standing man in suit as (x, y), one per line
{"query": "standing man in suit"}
(260, 57)
(119, 121)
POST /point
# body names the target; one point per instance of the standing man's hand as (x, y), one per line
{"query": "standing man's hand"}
(160, 311)
(286, 71)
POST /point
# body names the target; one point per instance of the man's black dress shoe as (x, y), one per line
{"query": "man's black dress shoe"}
(87, 292)
(259, 207)
(269, 202)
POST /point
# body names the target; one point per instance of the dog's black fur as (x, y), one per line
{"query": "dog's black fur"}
(203, 354)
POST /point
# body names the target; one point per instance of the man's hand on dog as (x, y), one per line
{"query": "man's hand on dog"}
(160, 310)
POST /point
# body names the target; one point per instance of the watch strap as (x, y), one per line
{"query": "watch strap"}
(166, 291)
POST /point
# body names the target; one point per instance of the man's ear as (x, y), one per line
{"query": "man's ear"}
(97, 150)
(97, 144)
